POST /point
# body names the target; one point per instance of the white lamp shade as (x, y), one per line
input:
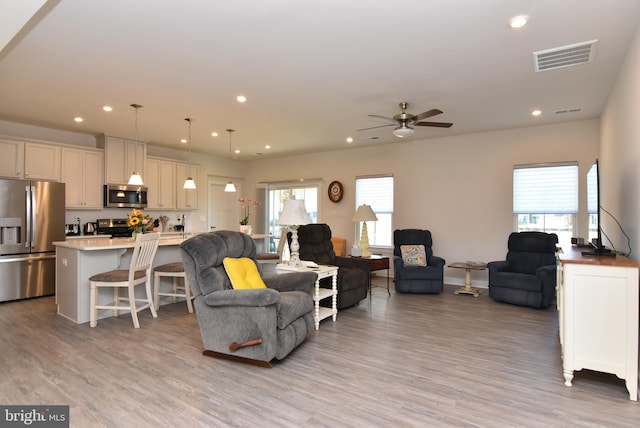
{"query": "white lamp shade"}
(229, 187)
(189, 183)
(294, 213)
(136, 179)
(364, 213)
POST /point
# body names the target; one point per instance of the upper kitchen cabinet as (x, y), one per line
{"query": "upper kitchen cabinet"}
(83, 174)
(160, 179)
(29, 160)
(186, 199)
(122, 157)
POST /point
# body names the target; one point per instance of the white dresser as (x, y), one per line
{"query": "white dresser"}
(598, 315)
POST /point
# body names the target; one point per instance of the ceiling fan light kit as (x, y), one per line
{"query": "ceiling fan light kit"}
(403, 131)
(404, 122)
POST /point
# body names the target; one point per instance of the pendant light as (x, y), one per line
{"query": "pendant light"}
(136, 178)
(229, 187)
(189, 183)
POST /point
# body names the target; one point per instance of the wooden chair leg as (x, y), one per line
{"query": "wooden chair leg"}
(147, 286)
(132, 305)
(187, 292)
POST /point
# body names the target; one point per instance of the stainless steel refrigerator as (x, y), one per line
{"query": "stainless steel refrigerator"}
(31, 218)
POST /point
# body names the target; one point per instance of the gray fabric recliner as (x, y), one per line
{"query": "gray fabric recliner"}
(253, 326)
(528, 276)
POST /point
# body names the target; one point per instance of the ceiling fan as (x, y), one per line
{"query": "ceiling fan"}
(404, 122)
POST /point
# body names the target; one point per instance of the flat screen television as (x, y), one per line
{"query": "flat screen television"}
(594, 211)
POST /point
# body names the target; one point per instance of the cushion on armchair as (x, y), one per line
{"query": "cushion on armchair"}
(413, 255)
(243, 273)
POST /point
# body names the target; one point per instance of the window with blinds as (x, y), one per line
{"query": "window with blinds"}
(545, 198)
(376, 191)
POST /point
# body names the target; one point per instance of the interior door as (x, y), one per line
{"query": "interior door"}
(223, 206)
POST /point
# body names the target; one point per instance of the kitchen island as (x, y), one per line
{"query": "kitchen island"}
(78, 260)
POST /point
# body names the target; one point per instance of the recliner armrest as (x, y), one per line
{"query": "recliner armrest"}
(436, 261)
(291, 281)
(352, 262)
(498, 266)
(252, 297)
(547, 273)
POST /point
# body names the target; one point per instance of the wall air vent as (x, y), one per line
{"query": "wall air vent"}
(564, 56)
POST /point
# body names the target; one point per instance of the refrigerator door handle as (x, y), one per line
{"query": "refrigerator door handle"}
(27, 191)
(33, 216)
(30, 240)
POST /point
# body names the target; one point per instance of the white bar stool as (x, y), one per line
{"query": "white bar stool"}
(175, 271)
(139, 273)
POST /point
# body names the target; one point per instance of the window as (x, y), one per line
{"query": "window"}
(376, 191)
(545, 198)
(278, 192)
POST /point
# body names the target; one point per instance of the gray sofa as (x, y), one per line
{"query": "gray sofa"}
(255, 325)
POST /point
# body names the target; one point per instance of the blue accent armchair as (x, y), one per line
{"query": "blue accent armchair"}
(528, 276)
(417, 279)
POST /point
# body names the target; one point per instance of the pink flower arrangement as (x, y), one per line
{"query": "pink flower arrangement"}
(246, 205)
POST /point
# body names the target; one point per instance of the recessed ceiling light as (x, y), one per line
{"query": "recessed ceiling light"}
(107, 108)
(241, 98)
(536, 113)
(214, 134)
(349, 140)
(78, 119)
(267, 147)
(518, 21)
(236, 151)
(183, 140)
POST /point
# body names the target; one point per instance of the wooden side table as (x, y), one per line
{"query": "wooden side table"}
(467, 289)
(377, 262)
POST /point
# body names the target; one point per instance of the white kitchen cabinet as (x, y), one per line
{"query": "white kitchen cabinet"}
(12, 159)
(82, 172)
(598, 310)
(122, 157)
(186, 199)
(42, 161)
(29, 160)
(161, 183)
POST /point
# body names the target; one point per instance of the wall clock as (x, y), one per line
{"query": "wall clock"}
(335, 191)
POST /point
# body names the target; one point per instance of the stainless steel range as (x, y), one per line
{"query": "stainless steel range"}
(116, 227)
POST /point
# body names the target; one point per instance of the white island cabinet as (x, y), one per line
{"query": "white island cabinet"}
(598, 310)
(78, 260)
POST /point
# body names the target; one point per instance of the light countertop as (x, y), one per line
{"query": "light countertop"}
(90, 244)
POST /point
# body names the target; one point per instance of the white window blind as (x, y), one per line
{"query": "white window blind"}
(375, 191)
(545, 189)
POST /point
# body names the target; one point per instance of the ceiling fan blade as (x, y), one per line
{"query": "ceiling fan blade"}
(377, 116)
(427, 114)
(374, 127)
(436, 124)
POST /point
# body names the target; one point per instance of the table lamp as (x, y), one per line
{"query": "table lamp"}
(364, 213)
(293, 215)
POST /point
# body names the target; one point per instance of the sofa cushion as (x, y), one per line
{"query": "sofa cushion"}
(413, 255)
(243, 273)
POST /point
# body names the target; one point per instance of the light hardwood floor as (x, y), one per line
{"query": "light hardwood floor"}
(395, 361)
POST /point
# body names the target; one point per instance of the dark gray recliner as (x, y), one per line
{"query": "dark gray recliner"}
(417, 279)
(255, 325)
(528, 276)
(353, 273)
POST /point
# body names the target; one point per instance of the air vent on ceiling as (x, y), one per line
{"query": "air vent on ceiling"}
(568, 110)
(564, 56)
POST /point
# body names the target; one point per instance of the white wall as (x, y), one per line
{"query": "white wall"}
(458, 187)
(620, 155)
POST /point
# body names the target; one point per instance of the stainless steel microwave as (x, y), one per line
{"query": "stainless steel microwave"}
(123, 196)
